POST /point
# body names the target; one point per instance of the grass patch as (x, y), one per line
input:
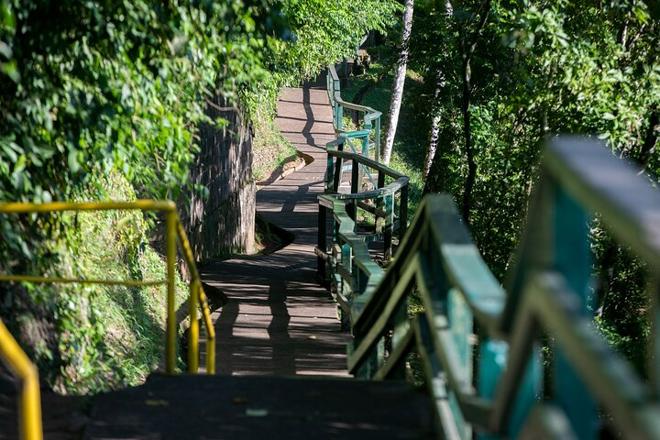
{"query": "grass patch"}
(411, 138)
(270, 148)
(107, 337)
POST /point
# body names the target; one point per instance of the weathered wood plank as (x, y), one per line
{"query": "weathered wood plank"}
(231, 407)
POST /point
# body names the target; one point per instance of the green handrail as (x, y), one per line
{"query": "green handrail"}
(479, 345)
(351, 269)
(370, 118)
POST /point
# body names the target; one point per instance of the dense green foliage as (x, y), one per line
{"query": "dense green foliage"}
(501, 75)
(326, 31)
(103, 99)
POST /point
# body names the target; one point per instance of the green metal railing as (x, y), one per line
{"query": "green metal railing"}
(480, 347)
(348, 254)
(385, 199)
(367, 119)
(30, 411)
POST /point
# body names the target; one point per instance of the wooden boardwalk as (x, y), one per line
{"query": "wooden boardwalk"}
(278, 320)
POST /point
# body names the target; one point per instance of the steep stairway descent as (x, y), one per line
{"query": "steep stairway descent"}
(277, 318)
(276, 326)
(280, 345)
(279, 349)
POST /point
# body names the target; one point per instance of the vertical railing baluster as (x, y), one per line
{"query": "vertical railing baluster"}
(347, 264)
(389, 224)
(329, 174)
(339, 165)
(571, 256)
(365, 140)
(351, 208)
(378, 222)
(377, 140)
(403, 212)
(193, 331)
(322, 241)
(170, 237)
(400, 326)
(654, 341)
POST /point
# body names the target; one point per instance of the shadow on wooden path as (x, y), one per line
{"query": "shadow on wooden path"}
(277, 319)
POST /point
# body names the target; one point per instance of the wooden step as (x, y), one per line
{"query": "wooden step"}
(261, 407)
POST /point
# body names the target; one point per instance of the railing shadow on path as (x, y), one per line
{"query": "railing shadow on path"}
(277, 320)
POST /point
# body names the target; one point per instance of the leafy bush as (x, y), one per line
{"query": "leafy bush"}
(102, 99)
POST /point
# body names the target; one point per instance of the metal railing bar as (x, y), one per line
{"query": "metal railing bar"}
(63, 280)
(29, 398)
(111, 205)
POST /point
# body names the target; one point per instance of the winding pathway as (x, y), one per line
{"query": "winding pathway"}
(277, 319)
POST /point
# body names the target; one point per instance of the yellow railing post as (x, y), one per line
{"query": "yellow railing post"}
(193, 332)
(210, 335)
(210, 355)
(30, 400)
(170, 237)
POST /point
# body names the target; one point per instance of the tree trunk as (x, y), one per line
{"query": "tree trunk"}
(468, 52)
(399, 80)
(435, 124)
(467, 134)
(435, 121)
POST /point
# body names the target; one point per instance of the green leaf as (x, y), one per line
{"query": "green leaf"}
(72, 161)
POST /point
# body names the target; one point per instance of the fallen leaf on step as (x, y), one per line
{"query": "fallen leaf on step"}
(256, 412)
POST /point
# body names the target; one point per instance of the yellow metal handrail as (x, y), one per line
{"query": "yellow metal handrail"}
(10, 351)
(30, 400)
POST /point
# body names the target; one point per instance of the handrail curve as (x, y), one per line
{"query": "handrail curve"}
(371, 120)
(10, 351)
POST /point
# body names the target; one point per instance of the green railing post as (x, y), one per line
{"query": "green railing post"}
(389, 225)
(339, 110)
(653, 365)
(403, 212)
(378, 220)
(339, 164)
(322, 242)
(355, 182)
(329, 175)
(571, 255)
(365, 140)
(347, 265)
(377, 140)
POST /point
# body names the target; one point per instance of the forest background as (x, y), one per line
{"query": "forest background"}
(104, 99)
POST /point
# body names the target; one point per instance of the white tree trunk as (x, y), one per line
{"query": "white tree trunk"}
(433, 144)
(435, 121)
(399, 80)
